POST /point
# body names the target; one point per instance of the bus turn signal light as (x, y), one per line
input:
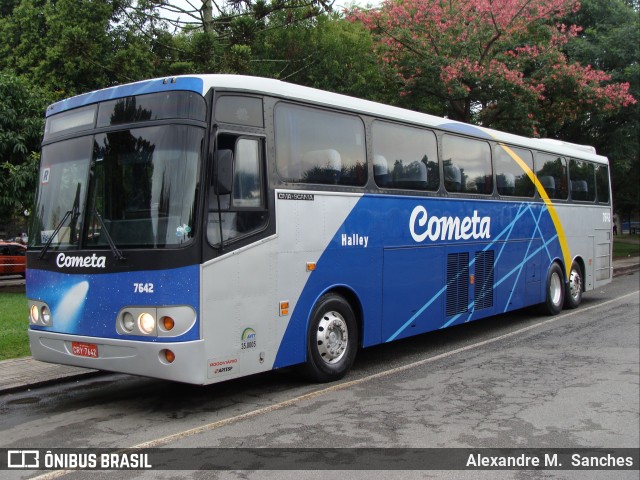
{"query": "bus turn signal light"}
(168, 323)
(169, 356)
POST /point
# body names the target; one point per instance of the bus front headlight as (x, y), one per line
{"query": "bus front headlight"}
(128, 322)
(40, 314)
(34, 314)
(146, 323)
(45, 315)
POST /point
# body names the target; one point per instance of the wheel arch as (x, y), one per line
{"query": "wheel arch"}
(354, 301)
(563, 268)
(580, 261)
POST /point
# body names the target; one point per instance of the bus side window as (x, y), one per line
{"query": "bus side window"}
(405, 157)
(582, 180)
(380, 170)
(511, 178)
(551, 170)
(467, 165)
(243, 211)
(602, 182)
(452, 177)
(319, 146)
(247, 188)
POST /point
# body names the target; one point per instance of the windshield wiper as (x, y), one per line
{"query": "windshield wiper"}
(74, 213)
(117, 253)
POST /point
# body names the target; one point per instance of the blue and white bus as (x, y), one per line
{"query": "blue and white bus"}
(205, 227)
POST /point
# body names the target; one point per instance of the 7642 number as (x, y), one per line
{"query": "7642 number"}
(143, 287)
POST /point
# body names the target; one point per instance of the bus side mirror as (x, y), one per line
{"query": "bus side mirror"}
(223, 175)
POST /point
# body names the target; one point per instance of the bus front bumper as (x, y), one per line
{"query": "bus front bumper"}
(124, 356)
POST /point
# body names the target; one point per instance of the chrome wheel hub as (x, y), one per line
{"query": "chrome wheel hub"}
(332, 337)
(575, 285)
(555, 289)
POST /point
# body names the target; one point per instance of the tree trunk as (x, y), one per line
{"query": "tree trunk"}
(207, 16)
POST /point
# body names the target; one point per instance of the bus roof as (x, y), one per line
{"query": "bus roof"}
(297, 92)
(242, 83)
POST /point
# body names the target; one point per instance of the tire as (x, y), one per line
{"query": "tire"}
(554, 298)
(573, 294)
(332, 339)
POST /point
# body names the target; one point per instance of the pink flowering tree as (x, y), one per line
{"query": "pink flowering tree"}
(496, 63)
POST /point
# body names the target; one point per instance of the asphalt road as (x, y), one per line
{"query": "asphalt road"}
(518, 380)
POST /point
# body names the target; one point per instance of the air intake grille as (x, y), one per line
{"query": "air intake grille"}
(457, 283)
(483, 289)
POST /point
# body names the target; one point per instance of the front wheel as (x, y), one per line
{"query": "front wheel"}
(555, 291)
(332, 339)
(573, 295)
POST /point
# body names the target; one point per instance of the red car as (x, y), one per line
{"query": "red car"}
(12, 258)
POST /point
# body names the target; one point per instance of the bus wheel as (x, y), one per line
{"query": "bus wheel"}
(573, 295)
(332, 339)
(555, 291)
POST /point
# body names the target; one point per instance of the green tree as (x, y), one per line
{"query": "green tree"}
(213, 16)
(73, 46)
(324, 51)
(21, 125)
(211, 36)
(610, 40)
(7, 6)
(298, 41)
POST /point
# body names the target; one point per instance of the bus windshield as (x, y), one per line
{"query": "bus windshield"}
(141, 183)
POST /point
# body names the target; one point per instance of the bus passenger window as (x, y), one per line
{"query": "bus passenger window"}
(602, 181)
(511, 179)
(405, 157)
(452, 177)
(322, 166)
(467, 165)
(552, 173)
(243, 211)
(582, 178)
(380, 170)
(319, 146)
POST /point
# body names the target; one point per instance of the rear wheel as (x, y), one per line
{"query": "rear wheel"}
(555, 291)
(573, 295)
(332, 339)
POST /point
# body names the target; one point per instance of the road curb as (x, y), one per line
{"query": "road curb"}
(24, 373)
(617, 272)
(50, 381)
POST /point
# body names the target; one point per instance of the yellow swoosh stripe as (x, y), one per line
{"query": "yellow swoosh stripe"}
(552, 211)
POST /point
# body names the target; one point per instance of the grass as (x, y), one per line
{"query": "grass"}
(626, 246)
(14, 341)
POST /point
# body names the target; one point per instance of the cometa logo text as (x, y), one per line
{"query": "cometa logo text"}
(423, 227)
(68, 261)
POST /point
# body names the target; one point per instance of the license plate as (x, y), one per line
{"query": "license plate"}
(82, 349)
